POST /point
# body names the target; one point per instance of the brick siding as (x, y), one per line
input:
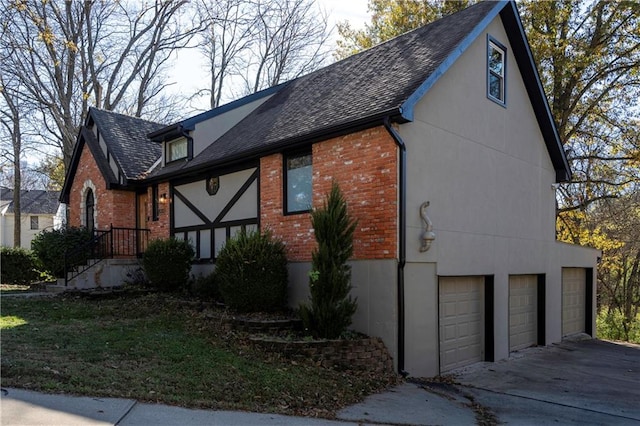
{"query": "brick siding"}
(365, 166)
(112, 206)
(159, 228)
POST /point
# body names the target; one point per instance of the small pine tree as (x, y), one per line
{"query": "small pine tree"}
(330, 278)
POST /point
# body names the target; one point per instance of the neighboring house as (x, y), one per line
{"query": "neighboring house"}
(38, 208)
(452, 114)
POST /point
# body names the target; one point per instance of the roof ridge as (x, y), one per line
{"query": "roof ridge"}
(111, 112)
(406, 33)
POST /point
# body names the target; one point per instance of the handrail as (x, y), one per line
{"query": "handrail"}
(114, 242)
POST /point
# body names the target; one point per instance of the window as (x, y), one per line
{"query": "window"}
(496, 72)
(298, 176)
(177, 149)
(34, 222)
(90, 206)
(155, 202)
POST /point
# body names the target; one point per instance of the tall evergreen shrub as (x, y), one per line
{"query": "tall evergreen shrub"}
(331, 307)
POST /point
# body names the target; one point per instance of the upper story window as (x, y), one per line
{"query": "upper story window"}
(298, 177)
(34, 222)
(177, 149)
(496, 71)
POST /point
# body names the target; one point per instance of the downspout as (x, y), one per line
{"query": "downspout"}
(402, 238)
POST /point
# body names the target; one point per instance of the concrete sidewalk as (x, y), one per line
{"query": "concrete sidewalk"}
(405, 404)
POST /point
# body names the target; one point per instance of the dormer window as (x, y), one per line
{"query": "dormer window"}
(177, 149)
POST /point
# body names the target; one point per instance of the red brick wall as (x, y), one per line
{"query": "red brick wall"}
(159, 228)
(112, 206)
(365, 166)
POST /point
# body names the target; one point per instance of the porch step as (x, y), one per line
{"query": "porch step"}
(107, 273)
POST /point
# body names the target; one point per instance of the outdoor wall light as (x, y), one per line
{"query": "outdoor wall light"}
(163, 197)
(428, 235)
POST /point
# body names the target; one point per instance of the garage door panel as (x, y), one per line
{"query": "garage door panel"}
(461, 321)
(573, 300)
(523, 310)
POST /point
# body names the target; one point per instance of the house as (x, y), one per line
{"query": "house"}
(38, 211)
(445, 148)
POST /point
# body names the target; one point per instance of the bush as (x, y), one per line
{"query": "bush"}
(252, 272)
(330, 278)
(206, 287)
(167, 263)
(18, 266)
(49, 248)
(612, 325)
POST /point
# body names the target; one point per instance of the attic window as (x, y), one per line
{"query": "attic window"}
(177, 149)
(496, 71)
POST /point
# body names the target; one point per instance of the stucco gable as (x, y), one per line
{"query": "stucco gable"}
(361, 91)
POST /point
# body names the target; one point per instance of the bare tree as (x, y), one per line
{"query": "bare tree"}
(68, 55)
(251, 45)
(227, 37)
(10, 119)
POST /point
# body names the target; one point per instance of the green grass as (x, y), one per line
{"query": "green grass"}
(155, 348)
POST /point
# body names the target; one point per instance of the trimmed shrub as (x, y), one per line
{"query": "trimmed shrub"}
(206, 287)
(167, 263)
(18, 266)
(49, 248)
(330, 278)
(252, 272)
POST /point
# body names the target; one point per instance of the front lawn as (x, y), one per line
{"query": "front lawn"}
(157, 348)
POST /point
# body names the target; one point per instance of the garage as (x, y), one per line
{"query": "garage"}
(461, 318)
(523, 311)
(573, 301)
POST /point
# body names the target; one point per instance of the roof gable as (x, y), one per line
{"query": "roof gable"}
(127, 145)
(385, 81)
(127, 141)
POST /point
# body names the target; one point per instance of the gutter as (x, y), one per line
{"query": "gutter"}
(402, 238)
(287, 144)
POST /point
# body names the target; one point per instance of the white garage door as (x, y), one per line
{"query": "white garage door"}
(573, 300)
(461, 321)
(523, 311)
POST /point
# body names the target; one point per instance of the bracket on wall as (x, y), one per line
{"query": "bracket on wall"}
(427, 235)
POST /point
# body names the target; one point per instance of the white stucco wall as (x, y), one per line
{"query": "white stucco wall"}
(26, 233)
(488, 177)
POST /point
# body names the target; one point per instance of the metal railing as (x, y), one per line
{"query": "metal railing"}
(106, 244)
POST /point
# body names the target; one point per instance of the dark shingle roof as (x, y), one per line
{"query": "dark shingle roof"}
(32, 202)
(126, 138)
(367, 85)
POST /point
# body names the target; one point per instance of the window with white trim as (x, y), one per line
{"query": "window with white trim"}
(177, 149)
(496, 71)
(34, 222)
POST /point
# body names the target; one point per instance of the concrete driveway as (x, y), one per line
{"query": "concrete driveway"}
(587, 382)
(580, 382)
